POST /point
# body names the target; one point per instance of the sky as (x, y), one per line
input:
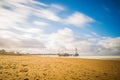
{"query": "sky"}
(59, 26)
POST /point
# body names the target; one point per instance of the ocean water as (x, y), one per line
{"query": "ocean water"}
(98, 57)
(87, 57)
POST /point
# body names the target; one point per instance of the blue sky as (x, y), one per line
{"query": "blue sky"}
(105, 12)
(51, 26)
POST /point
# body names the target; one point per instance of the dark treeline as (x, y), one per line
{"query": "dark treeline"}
(4, 52)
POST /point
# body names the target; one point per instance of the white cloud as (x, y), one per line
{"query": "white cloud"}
(14, 25)
(47, 14)
(9, 39)
(66, 39)
(27, 36)
(14, 40)
(8, 34)
(40, 23)
(10, 17)
(28, 29)
(20, 11)
(56, 6)
(34, 30)
(110, 43)
(39, 3)
(79, 19)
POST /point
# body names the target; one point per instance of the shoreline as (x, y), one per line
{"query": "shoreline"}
(77, 57)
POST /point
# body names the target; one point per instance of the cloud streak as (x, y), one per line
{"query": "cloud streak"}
(79, 19)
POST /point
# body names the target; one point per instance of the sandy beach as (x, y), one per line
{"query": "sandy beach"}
(55, 68)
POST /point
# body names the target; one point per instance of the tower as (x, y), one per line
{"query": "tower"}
(76, 52)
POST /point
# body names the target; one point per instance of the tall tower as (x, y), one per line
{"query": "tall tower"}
(76, 52)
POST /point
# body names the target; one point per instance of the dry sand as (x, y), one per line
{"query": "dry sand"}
(48, 68)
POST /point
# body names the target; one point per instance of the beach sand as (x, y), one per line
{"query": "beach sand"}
(55, 68)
